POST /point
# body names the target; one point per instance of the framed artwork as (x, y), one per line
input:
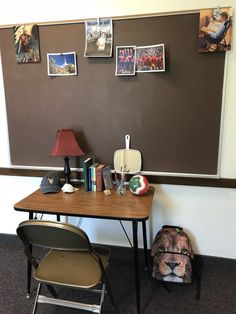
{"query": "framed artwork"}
(215, 30)
(125, 60)
(61, 64)
(26, 40)
(150, 58)
(98, 38)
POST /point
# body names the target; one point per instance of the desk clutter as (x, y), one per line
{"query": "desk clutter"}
(50, 183)
(97, 176)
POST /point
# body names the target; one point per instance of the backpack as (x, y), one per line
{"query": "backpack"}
(172, 255)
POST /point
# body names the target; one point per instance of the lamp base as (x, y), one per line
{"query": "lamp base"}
(67, 170)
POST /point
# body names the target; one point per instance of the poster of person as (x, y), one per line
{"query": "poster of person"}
(125, 60)
(26, 40)
(60, 64)
(215, 30)
(150, 58)
(98, 42)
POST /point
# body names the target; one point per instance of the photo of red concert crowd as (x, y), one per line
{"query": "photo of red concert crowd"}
(150, 58)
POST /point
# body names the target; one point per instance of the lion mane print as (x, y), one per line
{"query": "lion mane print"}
(172, 253)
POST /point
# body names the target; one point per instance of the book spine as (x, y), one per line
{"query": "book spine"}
(93, 178)
(86, 179)
(87, 164)
(99, 179)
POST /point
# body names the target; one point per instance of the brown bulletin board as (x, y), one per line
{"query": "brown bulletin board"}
(173, 117)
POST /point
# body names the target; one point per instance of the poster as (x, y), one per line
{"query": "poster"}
(26, 40)
(215, 29)
(98, 38)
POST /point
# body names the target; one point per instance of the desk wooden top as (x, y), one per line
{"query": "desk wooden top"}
(89, 204)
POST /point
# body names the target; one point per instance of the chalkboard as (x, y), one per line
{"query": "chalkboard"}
(173, 117)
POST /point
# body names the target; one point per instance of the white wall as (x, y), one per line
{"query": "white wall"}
(208, 214)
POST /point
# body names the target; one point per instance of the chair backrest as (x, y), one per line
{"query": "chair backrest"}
(227, 26)
(53, 235)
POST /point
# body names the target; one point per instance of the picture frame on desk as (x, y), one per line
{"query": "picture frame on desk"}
(107, 178)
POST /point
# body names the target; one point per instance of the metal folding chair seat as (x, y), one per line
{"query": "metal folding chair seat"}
(70, 262)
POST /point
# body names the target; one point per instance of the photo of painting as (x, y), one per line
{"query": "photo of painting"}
(125, 60)
(26, 40)
(215, 30)
(150, 58)
(98, 38)
(60, 64)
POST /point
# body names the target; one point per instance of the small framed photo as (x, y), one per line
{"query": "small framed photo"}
(125, 60)
(61, 64)
(150, 58)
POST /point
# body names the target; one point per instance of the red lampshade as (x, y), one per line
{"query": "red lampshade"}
(66, 144)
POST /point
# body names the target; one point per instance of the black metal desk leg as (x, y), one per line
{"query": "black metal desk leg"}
(136, 264)
(29, 267)
(58, 217)
(145, 244)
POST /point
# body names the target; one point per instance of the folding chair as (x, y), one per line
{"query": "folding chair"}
(71, 261)
(221, 40)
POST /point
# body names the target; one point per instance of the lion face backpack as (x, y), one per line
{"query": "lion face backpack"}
(172, 255)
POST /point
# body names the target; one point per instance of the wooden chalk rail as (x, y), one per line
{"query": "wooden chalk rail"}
(158, 179)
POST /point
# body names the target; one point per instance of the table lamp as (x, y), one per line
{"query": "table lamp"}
(66, 146)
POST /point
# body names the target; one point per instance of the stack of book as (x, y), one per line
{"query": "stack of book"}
(97, 176)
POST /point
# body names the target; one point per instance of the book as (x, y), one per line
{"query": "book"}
(92, 170)
(107, 178)
(86, 164)
(99, 178)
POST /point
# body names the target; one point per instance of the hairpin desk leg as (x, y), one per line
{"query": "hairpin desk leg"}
(136, 263)
(29, 268)
(145, 244)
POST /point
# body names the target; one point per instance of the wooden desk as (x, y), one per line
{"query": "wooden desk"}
(95, 205)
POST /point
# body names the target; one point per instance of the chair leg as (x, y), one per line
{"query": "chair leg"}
(102, 297)
(109, 290)
(36, 298)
